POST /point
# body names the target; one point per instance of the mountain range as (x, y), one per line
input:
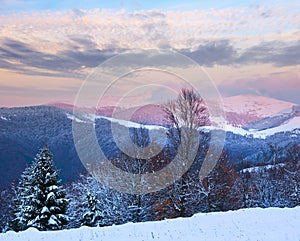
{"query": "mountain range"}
(241, 110)
(255, 126)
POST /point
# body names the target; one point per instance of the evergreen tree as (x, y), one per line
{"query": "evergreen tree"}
(93, 216)
(40, 201)
(6, 208)
(292, 173)
(24, 210)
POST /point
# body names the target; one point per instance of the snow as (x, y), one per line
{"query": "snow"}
(91, 117)
(50, 196)
(133, 124)
(73, 118)
(272, 224)
(258, 106)
(3, 118)
(259, 168)
(45, 210)
(53, 188)
(290, 125)
(52, 220)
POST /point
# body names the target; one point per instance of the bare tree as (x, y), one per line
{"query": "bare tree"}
(137, 164)
(185, 115)
(188, 111)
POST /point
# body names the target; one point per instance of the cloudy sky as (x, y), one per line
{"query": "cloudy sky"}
(49, 48)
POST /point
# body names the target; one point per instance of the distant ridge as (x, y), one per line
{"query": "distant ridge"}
(241, 110)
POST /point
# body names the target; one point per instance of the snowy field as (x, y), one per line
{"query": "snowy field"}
(248, 224)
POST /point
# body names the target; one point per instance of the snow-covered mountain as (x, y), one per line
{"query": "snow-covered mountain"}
(240, 110)
(246, 111)
(290, 125)
(24, 130)
(103, 110)
(272, 224)
(246, 115)
(147, 114)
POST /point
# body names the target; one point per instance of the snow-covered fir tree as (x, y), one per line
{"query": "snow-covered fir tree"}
(24, 210)
(94, 215)
(40, 198)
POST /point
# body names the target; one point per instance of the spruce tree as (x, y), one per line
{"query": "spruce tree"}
(24, 210)
(93, 216)
(40, 201)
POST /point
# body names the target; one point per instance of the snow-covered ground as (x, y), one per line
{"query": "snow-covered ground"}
(247, 224)
(259, 168)
(91, 117)
(290, 125)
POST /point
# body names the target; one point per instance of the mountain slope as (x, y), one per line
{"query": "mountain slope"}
(244, 109)
(241, 110)
(24, 130)
(270, 224)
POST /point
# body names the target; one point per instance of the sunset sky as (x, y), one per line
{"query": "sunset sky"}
(48, 48)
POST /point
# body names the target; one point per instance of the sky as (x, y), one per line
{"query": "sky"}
(49, 49)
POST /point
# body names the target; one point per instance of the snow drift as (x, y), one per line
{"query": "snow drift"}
(246, 224)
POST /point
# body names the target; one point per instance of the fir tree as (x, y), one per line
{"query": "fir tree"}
(40, 201)
(93, 216)
(24, 210)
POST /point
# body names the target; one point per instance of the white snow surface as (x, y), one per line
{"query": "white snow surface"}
(272, 224)
(132, 124)
(92, 117)
(73, 118)
(290, 125)
(259, 168)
